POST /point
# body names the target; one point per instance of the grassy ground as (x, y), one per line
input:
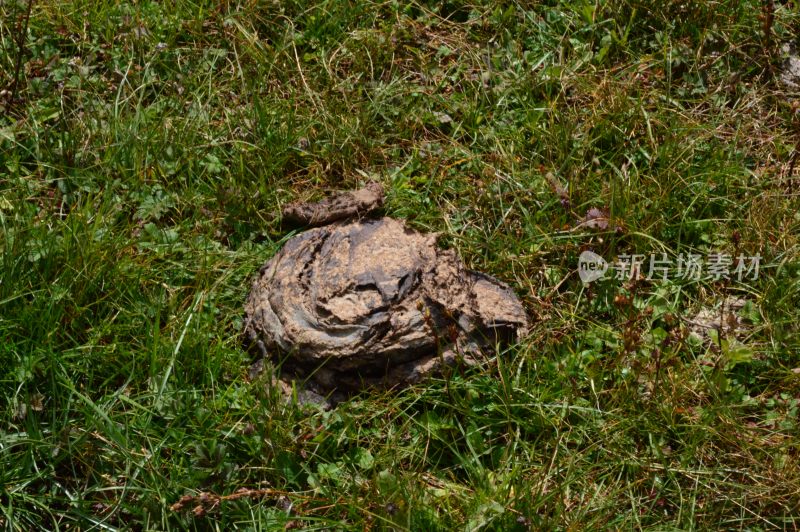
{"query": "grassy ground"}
(144, 158)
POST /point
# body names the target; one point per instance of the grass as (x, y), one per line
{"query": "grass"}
(143, 163)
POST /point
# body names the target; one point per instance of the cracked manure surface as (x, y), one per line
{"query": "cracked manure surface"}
(375, 303)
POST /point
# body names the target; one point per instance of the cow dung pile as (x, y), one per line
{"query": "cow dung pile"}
(363, 302)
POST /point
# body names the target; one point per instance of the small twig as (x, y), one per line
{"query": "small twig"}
(21, 35)
(792, 163)
(795, 154)
(767, 23)
(206, 502)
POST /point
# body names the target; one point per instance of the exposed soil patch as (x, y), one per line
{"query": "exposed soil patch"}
(724, 319)
(790, 72)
